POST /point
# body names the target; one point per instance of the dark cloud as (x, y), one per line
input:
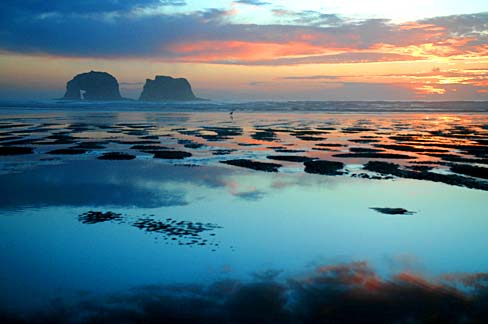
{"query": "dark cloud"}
(211, 15)
(172, 2)
(94, 36)
(253, 2)
(342, 293)
(308, 17)
(250, 195)
(361, 57)
(81, 7)
(469, 25)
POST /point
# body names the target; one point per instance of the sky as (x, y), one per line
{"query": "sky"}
(251, 49)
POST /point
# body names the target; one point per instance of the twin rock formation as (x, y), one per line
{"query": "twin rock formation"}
(103, 86)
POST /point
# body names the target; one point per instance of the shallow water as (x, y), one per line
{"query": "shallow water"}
(289, 221)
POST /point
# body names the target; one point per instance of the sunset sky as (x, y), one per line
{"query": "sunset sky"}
(251, 49)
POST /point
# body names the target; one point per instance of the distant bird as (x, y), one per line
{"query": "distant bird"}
(231, 114)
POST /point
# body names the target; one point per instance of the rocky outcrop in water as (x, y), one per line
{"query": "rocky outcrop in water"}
(96, 86)
(167, 88)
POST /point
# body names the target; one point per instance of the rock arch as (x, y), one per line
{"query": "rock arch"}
(96, 86)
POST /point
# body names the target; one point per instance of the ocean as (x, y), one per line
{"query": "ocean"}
(238, 211)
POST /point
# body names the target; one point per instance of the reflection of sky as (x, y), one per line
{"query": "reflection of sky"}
(94, 183)
(172, 126)
(270, 221)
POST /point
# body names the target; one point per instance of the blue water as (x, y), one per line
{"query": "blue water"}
(290, 221)
(252, 106)
(284, 222)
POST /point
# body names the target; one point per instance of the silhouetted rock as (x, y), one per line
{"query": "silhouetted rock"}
(167, 88)
(97, 86)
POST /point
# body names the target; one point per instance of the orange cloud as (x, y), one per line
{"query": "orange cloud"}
(433, 82)
(427, 89)
(410, 41)
(208, 51)
(415, 25)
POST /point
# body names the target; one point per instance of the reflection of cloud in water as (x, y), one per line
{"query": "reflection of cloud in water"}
(93, 183)
(242, 191)
(342, 293)
(304, 181)
(405, 262)
(261, 185)
(136, 183)
(250, 195)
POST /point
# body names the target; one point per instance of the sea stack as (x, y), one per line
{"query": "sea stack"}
(96, 86)
(164, 88)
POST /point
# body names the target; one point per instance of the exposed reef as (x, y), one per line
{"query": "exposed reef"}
(392, 211)
(94, 217)
(177, 231)
(387, 168)
(470, 170)
(255, 165)
(167, 88)
(290, 158)
(363, 155)
(14, 150)
(67, 151)
(116, 156)
(324, 167)
(447, 155)
(96, 86)
(171, 155)
(184, 232)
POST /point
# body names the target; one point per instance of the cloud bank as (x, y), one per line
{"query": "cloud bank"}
(123, 30)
